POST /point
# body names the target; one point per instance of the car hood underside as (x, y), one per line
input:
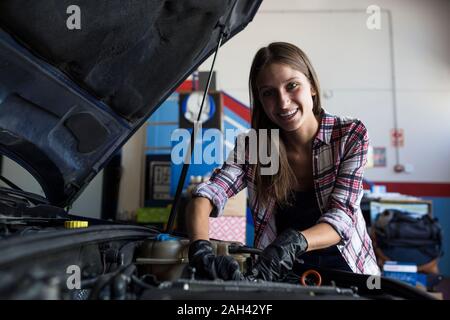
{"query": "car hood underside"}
(70, 98)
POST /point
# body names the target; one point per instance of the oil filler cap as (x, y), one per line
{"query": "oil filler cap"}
(74, 224)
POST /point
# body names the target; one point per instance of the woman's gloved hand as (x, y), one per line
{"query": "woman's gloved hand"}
(209, 266)
(278, 258)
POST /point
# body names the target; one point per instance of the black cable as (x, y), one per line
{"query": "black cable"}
(141, 283)
(104, 280)
(243, 249)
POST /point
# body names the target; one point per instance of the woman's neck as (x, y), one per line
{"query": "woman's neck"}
(302, 138)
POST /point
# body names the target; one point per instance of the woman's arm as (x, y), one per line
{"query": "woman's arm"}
(345, 199)
(197, 218)
(201, 254)
(321, 236)
(209, 198)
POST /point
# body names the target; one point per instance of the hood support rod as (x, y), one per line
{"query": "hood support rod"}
(176, 202)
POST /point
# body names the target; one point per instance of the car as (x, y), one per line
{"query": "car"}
(76, 82)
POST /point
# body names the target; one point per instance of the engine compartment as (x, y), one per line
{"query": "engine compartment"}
(123, 268)
(167, 260)
(41, 259)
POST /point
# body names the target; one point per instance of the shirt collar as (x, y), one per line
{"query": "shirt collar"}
(326, 128)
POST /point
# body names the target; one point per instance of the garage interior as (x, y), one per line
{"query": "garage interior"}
(386, 63)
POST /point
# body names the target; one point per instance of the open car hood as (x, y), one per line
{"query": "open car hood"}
(69, 99)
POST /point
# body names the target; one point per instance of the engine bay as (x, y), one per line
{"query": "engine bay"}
(128, 262)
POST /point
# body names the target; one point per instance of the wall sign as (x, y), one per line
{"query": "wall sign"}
(397, 138)
(379, 157)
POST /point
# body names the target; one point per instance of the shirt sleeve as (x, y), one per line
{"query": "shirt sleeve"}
(347, 193)
(224, 182)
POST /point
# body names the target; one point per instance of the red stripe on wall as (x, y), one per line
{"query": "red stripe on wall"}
(187, 85)
(237, 107)
(418, 189)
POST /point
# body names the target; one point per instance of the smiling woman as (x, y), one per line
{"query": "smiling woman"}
(308, 211)
(286, 95)
(283, 86)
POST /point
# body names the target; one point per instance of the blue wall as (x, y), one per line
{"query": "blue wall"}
(441, 210)
(158, 136)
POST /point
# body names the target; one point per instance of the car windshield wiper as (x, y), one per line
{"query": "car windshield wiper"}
(30, 197)
(9, 183)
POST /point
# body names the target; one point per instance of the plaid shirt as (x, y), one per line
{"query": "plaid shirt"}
(339, 154)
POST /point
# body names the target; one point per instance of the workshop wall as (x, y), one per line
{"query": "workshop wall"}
(354, 67)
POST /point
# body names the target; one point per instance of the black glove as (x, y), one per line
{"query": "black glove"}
(278, 258)
(209, 266)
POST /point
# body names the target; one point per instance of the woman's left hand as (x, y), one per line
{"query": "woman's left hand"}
(278, 258)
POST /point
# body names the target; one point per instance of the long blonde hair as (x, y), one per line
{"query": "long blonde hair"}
(279, 185)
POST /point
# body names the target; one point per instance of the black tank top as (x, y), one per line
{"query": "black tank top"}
(303, 213)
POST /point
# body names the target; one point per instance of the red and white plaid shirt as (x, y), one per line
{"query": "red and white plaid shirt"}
(339, 154)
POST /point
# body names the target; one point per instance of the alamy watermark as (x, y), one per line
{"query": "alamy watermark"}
(74, 279)
(373, 22)
(252, 146)
(73, 22)
(373, 283)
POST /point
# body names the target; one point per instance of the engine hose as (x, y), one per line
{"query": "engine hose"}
(234, 248)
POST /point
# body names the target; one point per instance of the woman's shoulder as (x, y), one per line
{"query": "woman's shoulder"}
(344, 126)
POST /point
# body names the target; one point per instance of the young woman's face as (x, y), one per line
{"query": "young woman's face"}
(286, 95)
